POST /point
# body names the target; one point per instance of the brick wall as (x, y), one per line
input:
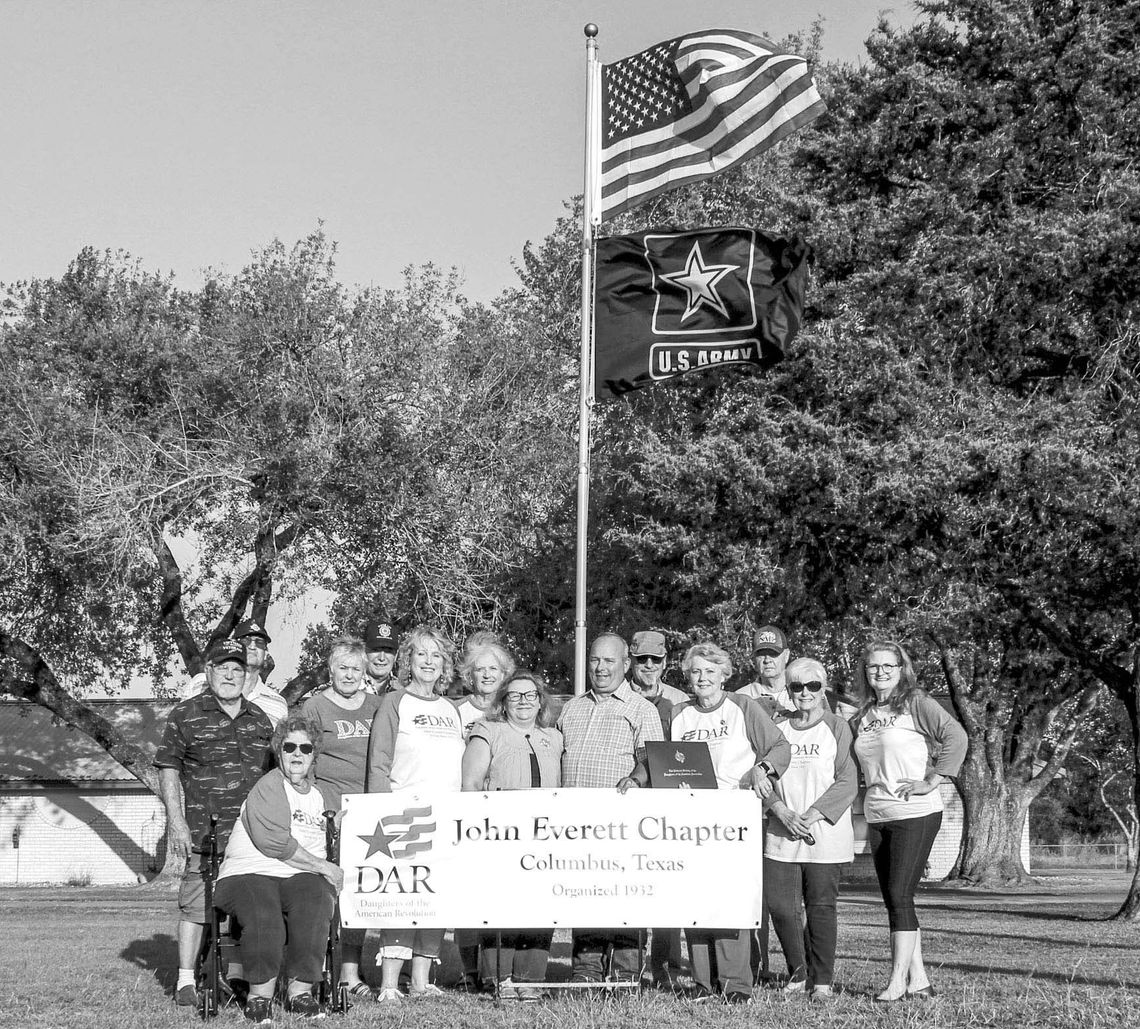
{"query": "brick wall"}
(61, 835)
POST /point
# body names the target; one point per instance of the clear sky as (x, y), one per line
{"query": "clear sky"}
(189, 133)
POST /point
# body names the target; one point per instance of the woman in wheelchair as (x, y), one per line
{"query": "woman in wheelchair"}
(276, 880)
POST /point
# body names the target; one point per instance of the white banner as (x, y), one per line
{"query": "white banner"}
(538, 858)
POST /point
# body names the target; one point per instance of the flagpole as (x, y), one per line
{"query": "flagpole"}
(586, 372)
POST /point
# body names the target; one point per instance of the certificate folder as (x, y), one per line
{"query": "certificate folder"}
(680, 766)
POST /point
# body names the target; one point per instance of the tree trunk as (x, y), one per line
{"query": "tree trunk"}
(994, 823)
(1129, 694)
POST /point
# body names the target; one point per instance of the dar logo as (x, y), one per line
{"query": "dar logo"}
(402, 836)
(702, 282)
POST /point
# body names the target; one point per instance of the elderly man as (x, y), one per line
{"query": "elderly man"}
(648, 671)
(380, 650)
(604, 732)
(252, 635)
(214, 749)
(647, 680)
(769, 658)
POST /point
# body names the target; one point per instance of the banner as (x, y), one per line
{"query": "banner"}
(562, 858)
(667, 303)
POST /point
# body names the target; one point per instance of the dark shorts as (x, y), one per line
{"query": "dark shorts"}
(192, 894)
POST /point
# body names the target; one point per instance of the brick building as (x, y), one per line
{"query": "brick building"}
(69, 813)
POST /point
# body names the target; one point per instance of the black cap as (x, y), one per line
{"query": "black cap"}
(226, 650)
(379, 635)
(251, 627)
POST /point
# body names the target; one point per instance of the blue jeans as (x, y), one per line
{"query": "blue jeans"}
(792, 888)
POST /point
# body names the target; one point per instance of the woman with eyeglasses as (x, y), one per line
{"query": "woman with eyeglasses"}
(276, 877)
(748, 752)
(416, 747)
(515, 747)
(906, 745)
(809, 837)
(486, 665)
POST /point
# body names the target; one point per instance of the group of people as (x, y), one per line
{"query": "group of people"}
(266, 776)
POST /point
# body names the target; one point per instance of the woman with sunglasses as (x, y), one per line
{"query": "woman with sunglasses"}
(748, 752)
(906, 745)
(515, 747)
(809, 837)
(276, 877)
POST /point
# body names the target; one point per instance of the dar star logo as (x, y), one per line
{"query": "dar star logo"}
(699, 281)
(380, 842)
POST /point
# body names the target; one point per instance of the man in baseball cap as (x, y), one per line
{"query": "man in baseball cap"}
(649, 656)
(380, 649)
(769, 658)
(251, 634)
(214, 748)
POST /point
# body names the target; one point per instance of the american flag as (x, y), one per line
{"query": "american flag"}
(411, 826)
(694, 106)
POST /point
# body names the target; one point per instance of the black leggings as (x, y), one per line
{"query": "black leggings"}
(900, 850)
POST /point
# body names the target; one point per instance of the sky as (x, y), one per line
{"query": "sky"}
(191, 133)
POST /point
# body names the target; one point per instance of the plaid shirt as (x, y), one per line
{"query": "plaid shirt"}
(605, 736)
(218, 759)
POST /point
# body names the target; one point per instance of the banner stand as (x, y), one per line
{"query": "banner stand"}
(606, 985)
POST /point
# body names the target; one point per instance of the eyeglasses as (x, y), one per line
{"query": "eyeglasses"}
(304, 748)
(518, 698)
(881, 668)
(799, 687)
(645, 659)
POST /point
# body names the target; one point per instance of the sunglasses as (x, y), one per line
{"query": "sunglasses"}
(645, 659)
(799, 687)
(304, 748)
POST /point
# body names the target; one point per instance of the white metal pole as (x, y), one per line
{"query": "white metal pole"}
(586, 371)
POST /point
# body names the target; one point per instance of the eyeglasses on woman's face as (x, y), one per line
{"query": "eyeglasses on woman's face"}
(798, 687)
(886, 669)
(530, 696)
(289, 746)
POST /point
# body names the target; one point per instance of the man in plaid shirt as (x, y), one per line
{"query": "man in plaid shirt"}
(605, 731)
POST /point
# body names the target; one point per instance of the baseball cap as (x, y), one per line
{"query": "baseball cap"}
(226, 650)
(648, 642)
(768, 638)
(251, 627)
(378, 635)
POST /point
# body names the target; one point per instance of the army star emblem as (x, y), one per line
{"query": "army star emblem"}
(699, 281)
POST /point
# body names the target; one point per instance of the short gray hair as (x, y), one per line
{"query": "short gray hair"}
(707, 652)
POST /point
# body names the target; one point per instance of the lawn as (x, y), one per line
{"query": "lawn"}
(72, 958)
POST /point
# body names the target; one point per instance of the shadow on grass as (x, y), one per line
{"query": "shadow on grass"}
(1055, 909)
(157, 955)
(1073, 977)
(1051, 941)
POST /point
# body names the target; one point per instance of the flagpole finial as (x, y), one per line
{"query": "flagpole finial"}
(590, 29)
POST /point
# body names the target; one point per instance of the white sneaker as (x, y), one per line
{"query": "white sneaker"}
(794, 986)
(823, 994)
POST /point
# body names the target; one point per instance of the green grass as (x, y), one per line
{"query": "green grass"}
(78, 958)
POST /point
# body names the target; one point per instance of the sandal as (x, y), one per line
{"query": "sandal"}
(427, 990)
(360, 991)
